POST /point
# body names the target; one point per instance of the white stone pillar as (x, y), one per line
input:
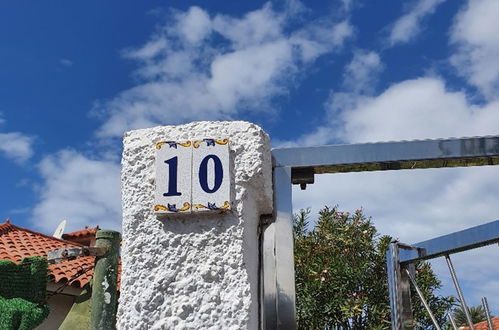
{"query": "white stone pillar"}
(198, 270)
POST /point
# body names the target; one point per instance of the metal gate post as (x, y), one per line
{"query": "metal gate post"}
(284, 251)
(399, 290)
(104, 293)
(269, 281)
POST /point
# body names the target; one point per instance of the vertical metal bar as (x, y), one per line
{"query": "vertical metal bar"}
(399, 291)
(452, 322)
(423, 300)
(485, 305)
(285, 270)
(104, 293)
(459, 292)
(269, 312)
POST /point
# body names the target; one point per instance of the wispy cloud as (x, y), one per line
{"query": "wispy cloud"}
(80, 189)
(203, 66)
(197, 66)
(475, 33)
(362, 72)
(66, 62)
(359, 81)
(408, 26)
(418, 109)
(15, 145)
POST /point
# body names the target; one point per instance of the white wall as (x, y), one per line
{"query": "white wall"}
(193, 271)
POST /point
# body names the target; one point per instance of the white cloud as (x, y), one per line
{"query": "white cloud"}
(412, 205)
(84, 191)
(361, 73)
(418, 109)
(185, 76)
(255, 28)
(16, 146)
(408, 26)
(195, 25)
(475, 32)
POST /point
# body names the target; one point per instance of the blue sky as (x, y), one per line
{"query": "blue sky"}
(75, 76)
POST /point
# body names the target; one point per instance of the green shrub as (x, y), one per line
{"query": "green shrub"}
(23, 290)
(341, 279)
(20, 314)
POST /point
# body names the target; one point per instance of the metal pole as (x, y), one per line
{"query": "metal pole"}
(452, 322)
(104, 293)
(485, 305)
(399, 290)
(423, 300)
(459, 292)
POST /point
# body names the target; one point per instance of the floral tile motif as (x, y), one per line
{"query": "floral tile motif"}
(173, 144)
(213, 206)
(172, 207)
(210, 142)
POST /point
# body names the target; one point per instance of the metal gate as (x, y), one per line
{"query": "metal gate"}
(400, 268)
(299, 166)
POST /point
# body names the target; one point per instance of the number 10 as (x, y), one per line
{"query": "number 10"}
(202, 177)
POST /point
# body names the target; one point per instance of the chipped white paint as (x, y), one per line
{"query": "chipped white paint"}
(196, 271)
(107, 297)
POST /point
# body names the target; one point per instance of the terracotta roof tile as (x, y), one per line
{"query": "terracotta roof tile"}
(17, 243)
(87, 232)
(484, 326)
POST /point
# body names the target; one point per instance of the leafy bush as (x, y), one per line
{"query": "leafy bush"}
(341, 276)
(20, 314)
(23, 293)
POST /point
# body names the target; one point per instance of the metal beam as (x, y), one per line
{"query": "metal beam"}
(463, 240)
(473, 151)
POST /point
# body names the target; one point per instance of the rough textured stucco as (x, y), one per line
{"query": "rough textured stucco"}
(195, 271)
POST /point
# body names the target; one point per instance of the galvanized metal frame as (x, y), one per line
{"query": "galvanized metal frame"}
(463, 240)
(299, 165)
(401, 256)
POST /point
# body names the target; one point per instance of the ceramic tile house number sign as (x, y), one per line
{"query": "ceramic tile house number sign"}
(192, 176)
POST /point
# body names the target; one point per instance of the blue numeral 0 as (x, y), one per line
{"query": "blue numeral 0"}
(172, 177)
(203, 173)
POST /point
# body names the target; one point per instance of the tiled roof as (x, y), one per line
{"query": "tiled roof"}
(17, 243)
(484, 325)
(87, 232)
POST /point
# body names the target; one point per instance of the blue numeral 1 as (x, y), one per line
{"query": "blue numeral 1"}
(172, 177)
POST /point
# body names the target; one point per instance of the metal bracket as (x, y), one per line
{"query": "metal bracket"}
(302, 176)
(71, 253)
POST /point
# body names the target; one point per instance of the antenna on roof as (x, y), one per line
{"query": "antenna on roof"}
(60, 229)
